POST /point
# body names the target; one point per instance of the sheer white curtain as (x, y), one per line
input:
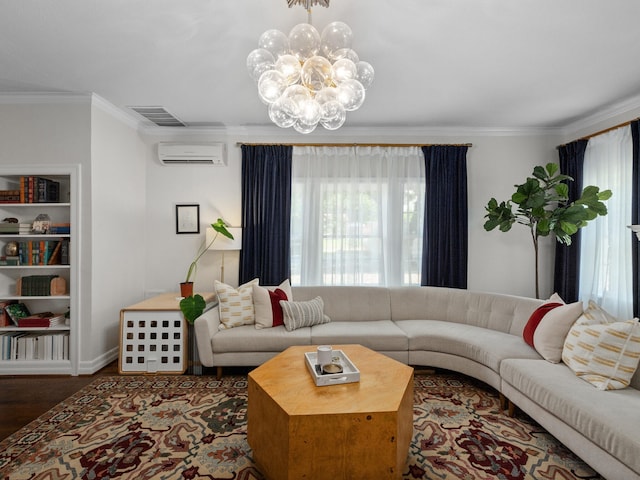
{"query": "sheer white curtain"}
(357, 215)
(605, 255)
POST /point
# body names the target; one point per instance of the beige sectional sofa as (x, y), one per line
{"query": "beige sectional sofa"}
(475, 333)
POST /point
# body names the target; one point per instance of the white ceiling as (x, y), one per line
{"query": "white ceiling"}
(438, 63)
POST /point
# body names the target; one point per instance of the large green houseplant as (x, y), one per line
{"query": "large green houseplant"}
(542, 204)
(191, 305)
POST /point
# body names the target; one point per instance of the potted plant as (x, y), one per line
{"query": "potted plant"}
(192, 307)
(543, 206)
(220, 227)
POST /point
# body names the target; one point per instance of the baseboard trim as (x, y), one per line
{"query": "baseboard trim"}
(91, 367)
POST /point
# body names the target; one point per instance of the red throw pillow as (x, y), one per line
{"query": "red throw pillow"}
(276, 309)
(535, 319)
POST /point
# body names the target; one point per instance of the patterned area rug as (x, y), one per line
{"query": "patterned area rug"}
(183, 427)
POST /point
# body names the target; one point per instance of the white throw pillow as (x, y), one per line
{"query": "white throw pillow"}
(266, 304)
(549, 337)
(235, 304)
(602, 350)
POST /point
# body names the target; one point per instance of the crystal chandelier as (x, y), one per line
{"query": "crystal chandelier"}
(308, 77)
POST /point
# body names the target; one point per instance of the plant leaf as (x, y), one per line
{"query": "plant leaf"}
(192, 307)
(562, 189)
(568, 227)
(552, 168)
(221, 227)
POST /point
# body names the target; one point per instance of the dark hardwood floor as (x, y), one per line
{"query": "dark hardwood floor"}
(23, 398)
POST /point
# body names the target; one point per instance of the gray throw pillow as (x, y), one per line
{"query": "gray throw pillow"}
(303, 314)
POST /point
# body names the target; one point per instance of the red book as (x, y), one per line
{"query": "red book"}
(44, 319)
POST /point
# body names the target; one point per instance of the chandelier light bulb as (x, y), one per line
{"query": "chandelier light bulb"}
(307, 78)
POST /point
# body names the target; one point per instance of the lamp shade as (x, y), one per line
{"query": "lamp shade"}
(224, 243)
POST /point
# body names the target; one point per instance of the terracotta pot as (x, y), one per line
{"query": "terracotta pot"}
(186, 289)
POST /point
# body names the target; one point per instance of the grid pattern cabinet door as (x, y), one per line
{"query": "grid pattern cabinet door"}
(152, 342)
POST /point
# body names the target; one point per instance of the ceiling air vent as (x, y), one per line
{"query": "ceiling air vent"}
(159, 116)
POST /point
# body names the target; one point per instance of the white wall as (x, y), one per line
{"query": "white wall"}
(216, 190)
(129, 246)
(51, 132)
(118, 236)
(497, 261)
(81, 130)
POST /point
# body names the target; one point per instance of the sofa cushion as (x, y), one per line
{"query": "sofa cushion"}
(535, 319)
(235, 304)
(601, 350)
(247, 339)
(594, 314)
(483, 345)
(608, 418)
(549, 337)
(505, 313)
(303, 314)
(379, 335)
(354, 304)
(266, 304)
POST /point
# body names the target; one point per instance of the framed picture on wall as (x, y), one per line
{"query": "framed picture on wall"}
(188, 218)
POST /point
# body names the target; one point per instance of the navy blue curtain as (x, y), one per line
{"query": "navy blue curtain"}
(566, 277)
(266, 213)
(445, 237)
(635, 213)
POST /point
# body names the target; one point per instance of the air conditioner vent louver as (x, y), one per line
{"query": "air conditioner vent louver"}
(173, 161)
(192, 154)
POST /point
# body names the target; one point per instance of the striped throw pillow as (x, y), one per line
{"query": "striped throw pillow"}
(235, 304)
(303, 314)
(605, 353)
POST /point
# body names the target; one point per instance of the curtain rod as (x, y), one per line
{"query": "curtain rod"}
(601, 132)
(239, 144)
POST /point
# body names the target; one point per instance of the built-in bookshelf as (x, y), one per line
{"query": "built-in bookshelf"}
(38, 224)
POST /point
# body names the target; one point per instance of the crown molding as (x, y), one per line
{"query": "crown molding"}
(117, 113)
(609, 115)
(43, 98)
(59, 98)
(347, 133)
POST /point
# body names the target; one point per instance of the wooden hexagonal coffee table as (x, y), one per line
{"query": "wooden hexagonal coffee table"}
(349, 431)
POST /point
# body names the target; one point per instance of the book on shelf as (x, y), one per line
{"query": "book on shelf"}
(5, 320)
(54, 258)
(64, 252)
(59, 228)
(42, 319)
(41, 285)
(35, 189)
(41, 252)
(16, 311)
(9, 196)
(34, 346)
(9, 227)
(9, 260)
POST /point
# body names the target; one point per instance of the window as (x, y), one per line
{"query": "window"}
(605, 250)
(357, 215)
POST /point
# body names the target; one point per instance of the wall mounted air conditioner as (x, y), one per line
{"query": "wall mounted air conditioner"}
(192, 154)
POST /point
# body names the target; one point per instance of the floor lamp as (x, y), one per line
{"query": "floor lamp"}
(225, 244)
